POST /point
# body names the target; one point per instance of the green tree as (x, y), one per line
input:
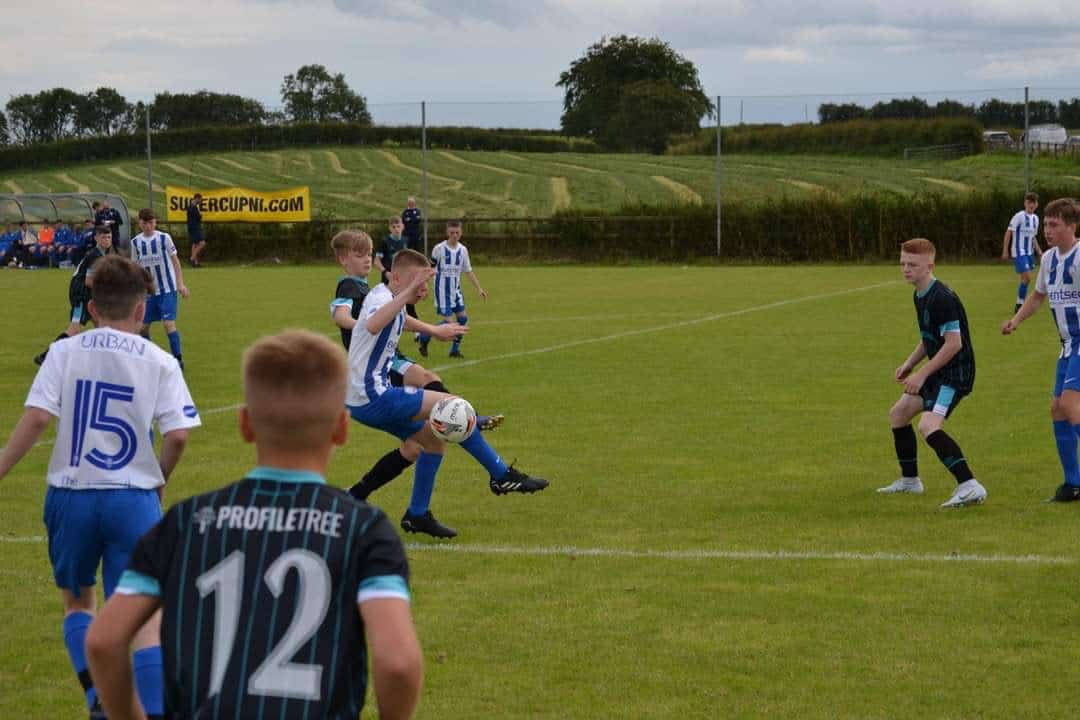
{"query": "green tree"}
(312, 94)
(595, 84)
(171, 111)
(648, 114)
(833, 112)
(45, 117)
(3, 130)
(100, 112)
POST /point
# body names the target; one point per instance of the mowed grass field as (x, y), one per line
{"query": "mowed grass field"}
(711, 544)
(351, 182)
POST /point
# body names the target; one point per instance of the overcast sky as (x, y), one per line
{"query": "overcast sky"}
(481, 51)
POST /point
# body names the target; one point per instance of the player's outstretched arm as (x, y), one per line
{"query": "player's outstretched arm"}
(445, 332)
(27, 432)
(411, 294)
(1030, 307)
(108, 652)
(397, 664)
(343, 318)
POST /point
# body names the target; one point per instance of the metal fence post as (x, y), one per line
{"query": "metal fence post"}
(719, 166)
(149, 164)
(423, 169)
(1027, 140)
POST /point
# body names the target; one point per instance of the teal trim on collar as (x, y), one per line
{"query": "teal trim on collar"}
(357, 278)
(922, 293)
(280, 475)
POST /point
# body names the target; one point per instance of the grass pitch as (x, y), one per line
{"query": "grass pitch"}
(711, 544)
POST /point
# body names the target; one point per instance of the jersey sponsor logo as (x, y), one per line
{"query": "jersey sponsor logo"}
(111, 341)
(1063, 296)
(270, 519)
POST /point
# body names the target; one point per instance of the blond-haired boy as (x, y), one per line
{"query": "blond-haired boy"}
(270, 563)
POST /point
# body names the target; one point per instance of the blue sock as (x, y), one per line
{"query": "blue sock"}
(150, 679)
(456, 345)
(1065, 435)
(75, 626)
(478, 447)
(174, 343)
(1021, 293)
(427, 464)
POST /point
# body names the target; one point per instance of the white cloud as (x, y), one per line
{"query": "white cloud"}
(776, 55)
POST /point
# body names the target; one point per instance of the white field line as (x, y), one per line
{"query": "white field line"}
(605, 338)
(669, 326)
(754, 555)
(696, 554)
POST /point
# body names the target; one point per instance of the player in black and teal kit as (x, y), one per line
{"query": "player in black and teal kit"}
(271, 588)
(79, 292)
(258, 584)
(938, 386)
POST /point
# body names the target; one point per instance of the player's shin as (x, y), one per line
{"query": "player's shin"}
(906, 451)
(484, 454)
(388, 467)
(76, 625)
(427, 465)
(950, 455)
(150, 680)
(1065, 438)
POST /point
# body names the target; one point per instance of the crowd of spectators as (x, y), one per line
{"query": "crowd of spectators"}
(48, 244)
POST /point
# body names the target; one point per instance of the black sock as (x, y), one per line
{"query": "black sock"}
(437, 386)
(950, 455)
(906, 451)
(388, 467)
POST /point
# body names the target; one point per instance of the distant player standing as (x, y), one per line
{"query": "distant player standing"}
(79, 288)
(105, 388)
(155, 251)
(1059, 280)
(1021, 243)
(413, 226)
(451, 261)
(194, 229)
(934, 389)
(271, 588)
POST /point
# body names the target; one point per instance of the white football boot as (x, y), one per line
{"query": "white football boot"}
(903, 485)
(969, 492)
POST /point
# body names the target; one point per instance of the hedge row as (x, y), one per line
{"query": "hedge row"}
(257, 137)
(856, 137)
(820, 228)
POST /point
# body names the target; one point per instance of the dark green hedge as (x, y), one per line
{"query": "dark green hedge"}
(256, 137)
(819, 228)
(856, 137)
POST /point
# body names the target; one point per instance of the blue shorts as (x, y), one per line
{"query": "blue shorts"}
(160, 307)
(1023, 264)
(91, 527)
(392, 412)
(1067, 376)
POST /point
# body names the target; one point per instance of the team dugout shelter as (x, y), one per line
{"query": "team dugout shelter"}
(36, 208)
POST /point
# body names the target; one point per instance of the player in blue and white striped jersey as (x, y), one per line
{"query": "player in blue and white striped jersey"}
(1021, 243)
(403, 412)
(155, 251)
(1059, 280)
(105, 387)
(451, 260)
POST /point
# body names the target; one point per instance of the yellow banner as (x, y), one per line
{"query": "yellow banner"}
(235, 204)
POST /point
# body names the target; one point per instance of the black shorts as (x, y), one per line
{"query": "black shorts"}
(939, 397)
(79, 313)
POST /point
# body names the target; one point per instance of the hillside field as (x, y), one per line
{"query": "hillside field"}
(354, 183)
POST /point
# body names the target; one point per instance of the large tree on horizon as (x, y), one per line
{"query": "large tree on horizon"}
(313, 94)
(619, 77)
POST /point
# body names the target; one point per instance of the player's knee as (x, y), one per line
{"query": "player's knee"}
(410, 449)
(930, 423)
(898, 414)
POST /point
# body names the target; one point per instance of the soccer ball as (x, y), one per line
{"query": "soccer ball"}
(452, 419)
